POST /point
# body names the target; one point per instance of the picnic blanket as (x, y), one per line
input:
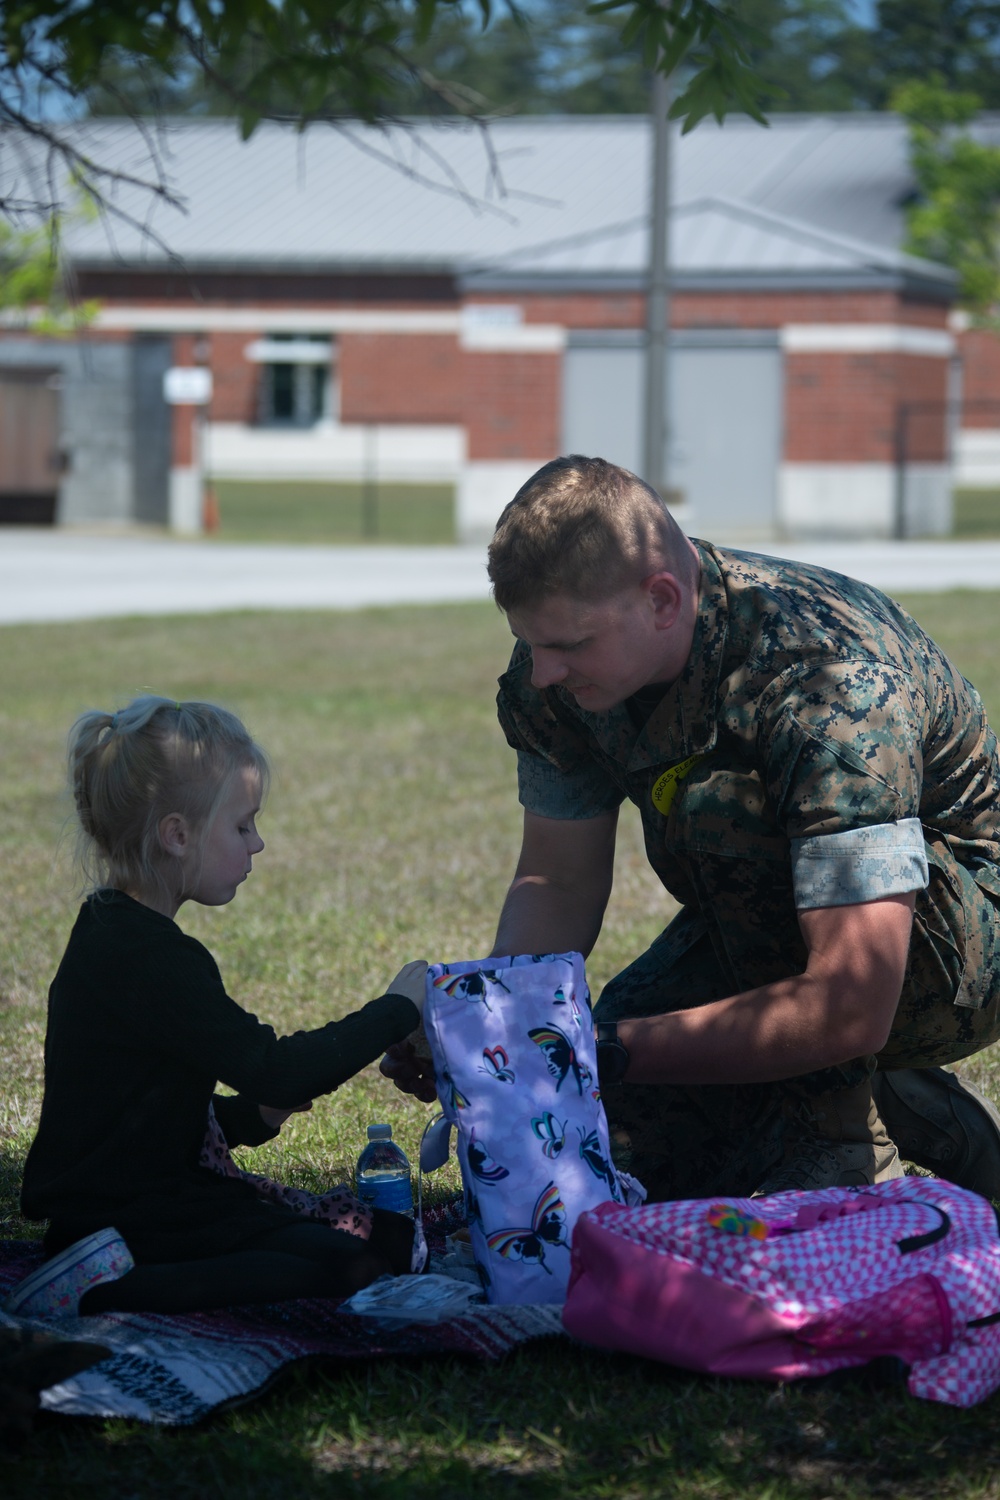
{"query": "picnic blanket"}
(176, 1370)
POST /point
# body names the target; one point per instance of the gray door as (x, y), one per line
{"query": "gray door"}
(602, 403)
(725, 394)
(727, 437)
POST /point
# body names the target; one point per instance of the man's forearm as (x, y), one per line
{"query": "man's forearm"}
(841, 1007)
(761, 1036)
(561, 886)
(539, 916)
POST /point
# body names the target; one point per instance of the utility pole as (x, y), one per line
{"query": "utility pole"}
(655, 434)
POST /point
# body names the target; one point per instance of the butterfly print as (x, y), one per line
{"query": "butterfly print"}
(551, 1133)
(548, 1229)
(497, 1065)
(561, 998)
(560, 1057)
(590, 1151)
(481, 1163)
(473, 987)
(456, 1098)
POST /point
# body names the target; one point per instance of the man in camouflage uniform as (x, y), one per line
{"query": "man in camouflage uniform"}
(818, 788)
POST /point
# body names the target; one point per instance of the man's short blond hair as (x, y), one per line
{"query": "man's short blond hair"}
(582, 527)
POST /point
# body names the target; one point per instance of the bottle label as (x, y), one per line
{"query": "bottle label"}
(397, 1196)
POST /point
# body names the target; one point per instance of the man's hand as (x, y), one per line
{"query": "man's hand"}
(275, 1118)
(411, 1074)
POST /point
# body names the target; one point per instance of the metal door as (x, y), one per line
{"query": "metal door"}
(727, 438)
(602, 401)
(725, 394)
(30, 461)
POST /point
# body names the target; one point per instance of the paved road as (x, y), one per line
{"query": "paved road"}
(57, 575)
(61, 576)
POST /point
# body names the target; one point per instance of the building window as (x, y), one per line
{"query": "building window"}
(296, 384)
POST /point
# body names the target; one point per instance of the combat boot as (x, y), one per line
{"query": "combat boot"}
(944, 1124)
(836, 1139)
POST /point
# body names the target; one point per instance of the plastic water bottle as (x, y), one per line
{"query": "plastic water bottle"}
(383, 1173)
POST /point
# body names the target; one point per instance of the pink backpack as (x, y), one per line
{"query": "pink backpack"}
(799, 1284)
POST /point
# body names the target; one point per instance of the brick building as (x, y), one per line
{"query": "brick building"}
(422, 305)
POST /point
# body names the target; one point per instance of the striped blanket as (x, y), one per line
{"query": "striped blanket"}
(176, 1370)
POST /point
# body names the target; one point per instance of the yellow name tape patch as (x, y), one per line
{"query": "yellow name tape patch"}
(665, 789)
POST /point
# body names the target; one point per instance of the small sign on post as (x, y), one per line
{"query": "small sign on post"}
(191, 385)
(187, 385)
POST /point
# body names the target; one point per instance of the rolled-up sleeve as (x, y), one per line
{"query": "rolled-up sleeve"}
(551, 793)
(859, 864)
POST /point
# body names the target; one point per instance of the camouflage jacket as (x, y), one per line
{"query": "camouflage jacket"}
(816, 696)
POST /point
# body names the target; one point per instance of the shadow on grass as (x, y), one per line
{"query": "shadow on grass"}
(550, 1421)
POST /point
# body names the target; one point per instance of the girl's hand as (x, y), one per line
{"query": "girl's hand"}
(410, 982)
(275, 1118)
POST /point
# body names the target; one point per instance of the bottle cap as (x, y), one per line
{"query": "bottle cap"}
(380, 1132)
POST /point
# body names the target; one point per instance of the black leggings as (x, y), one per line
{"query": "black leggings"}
(307, 1259)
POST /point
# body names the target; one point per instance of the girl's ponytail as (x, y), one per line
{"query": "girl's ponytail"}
(84, 746)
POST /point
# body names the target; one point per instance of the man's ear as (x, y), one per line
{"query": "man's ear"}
(175, 835)
(666, 595)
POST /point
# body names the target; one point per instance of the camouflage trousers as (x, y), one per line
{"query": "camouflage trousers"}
(741, 931)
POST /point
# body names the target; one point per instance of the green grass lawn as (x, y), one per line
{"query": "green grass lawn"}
(301, 511)
(391, 833)
(305, 511)
(977, 513)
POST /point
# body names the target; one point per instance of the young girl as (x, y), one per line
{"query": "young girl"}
(140, 1028)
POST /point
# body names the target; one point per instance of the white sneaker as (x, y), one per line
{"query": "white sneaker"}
(55, 1289)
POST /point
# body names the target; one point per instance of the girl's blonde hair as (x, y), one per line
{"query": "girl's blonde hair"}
(129, 769)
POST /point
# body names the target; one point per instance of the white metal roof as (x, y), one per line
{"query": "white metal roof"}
(560, 196)
(711, 236)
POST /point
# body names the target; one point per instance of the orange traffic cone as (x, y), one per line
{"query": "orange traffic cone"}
(210, 519)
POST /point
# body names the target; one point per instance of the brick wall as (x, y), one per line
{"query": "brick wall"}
(234, 378)
(980, 351)
(775, 309)
(583, 309)
(838, 407)
(842, 408)
(508, 402)
(734, 309)
(512, 405)
(406, 377)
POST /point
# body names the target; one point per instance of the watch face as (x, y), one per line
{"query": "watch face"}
(612, 1061)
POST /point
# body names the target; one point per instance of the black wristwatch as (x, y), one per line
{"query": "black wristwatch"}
(612, 1054)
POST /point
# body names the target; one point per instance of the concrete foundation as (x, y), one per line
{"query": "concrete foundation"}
(863, 500)
(483, 490)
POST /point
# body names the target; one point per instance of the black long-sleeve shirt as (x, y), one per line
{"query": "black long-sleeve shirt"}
(140, 1030)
